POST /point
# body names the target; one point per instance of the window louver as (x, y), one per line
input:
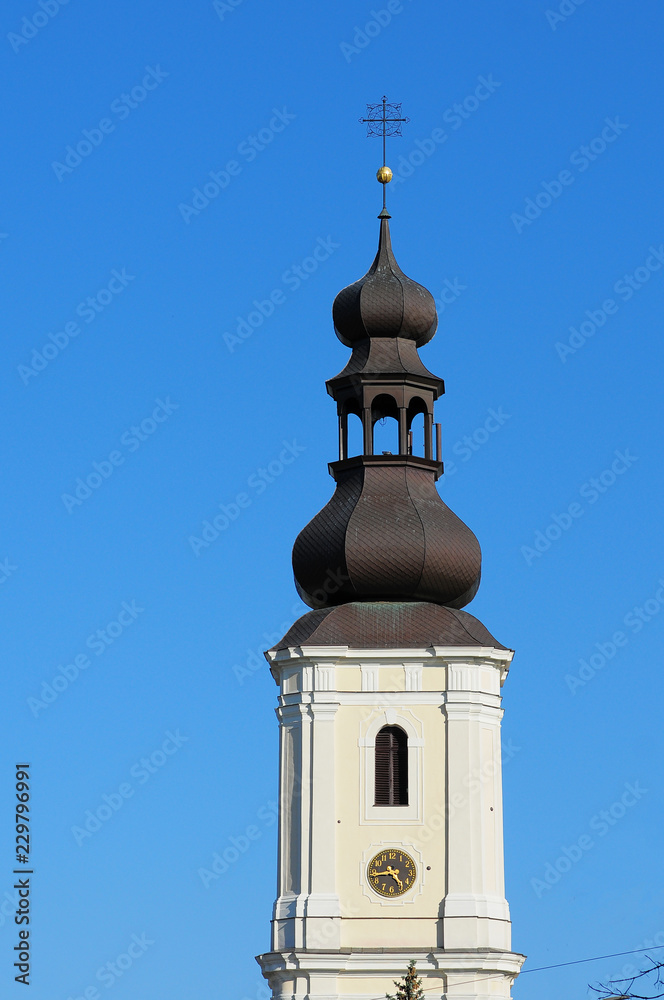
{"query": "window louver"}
(391, 782)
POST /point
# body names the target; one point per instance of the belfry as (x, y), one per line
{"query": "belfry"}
(390, 798)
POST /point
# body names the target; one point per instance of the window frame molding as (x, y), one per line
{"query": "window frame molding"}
(371, 814)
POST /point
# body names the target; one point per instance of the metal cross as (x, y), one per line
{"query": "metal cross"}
(384, 119)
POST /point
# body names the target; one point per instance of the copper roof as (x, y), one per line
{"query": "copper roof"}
(386, 535)
(387, 625)
(387, 356)
(384, 303)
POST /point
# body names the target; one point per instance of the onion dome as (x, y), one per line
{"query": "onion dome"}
(384, 303)
(386, 535)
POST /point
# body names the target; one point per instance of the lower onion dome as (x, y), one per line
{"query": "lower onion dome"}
(386, 536)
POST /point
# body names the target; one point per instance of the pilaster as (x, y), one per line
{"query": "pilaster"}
(475, 912)
(306, 911)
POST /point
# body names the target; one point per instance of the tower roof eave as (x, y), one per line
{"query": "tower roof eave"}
(388, 625)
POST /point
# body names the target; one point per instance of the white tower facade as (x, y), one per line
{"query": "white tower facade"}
(333, 935)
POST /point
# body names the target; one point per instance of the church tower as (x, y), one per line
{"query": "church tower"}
(390, 799)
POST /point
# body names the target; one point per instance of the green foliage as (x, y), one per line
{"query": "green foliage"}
(410, 987)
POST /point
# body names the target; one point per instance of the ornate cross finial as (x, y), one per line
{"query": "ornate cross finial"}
(384, 119)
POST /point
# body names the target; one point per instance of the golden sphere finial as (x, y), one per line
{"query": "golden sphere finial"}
(384, 175)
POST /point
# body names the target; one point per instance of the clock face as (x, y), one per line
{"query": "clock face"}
(391, 872)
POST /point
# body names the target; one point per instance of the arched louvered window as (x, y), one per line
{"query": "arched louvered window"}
(391, 784)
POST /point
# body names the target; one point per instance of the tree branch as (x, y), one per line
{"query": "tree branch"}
(625, 987)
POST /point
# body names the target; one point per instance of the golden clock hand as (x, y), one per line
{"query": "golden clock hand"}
(394, 872)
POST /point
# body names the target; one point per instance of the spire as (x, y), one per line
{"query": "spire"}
(386, 535)
(383, 120)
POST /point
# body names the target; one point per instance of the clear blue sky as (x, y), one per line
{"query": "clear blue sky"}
(167, 94)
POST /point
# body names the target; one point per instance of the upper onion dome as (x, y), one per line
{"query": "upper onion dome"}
(384, 303)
